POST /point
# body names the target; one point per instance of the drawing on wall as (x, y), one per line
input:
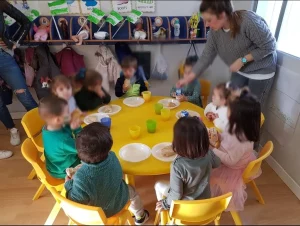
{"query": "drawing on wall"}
(73, 6)
(121, 6)
(145, 5)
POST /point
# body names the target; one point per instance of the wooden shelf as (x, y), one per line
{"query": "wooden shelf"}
(125, 34)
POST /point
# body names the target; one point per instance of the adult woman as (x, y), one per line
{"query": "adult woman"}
(11, 73)
(244, 42)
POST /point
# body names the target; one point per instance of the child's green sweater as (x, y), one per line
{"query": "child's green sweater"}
(60, 152)
(100, 184)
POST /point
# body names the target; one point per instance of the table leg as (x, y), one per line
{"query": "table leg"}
(129, 179)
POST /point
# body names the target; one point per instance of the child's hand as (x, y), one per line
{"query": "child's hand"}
(214, 116)
(75, 123)
(173, 94)
(126, 87)
(159, 205)
(67, 178)
(209, 116)
(182, 98)
(99, 91)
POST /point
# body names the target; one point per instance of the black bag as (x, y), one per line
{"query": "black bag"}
(6, 94)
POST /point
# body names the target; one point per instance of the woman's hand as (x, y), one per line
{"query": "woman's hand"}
(67, 178)
(237, 65)
(159, 205)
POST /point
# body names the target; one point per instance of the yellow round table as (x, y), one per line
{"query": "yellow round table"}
(129, 116)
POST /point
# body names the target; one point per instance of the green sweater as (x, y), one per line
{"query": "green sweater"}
(101, 185)
(60, 152)
(192, 92)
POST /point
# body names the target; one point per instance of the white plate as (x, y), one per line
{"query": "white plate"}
(135, 152)
(165, 102)
(133, 101)
(157, 154)
(96, 117)
(115, 109)
(191, 114)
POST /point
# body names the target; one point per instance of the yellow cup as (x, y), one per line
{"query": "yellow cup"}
(134, 131)
(165, 114)
(146, 95)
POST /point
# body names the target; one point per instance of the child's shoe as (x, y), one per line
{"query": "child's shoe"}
(142, 220)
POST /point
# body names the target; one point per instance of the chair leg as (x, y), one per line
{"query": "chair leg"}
(164, 217)
(257, 193)
(157, 217)
(53, 214)
(236, 218)
(43, 157)
(217, 222)
(39, 192)
(130, 220)
(31, 175)
(129, 179)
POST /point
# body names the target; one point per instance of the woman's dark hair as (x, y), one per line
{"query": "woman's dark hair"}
(244, 119)
(217, 7)
(93, 143)
(190, 138)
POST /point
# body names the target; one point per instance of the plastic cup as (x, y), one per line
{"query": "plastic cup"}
(158, 107)
(134, 131)
(106, 122)
(146, 95)
(151, 126)
(165, 114)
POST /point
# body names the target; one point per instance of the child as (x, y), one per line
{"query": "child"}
(130, 83)
(61, 86)
(216, 111)
(190, 92)
(236, 149)
(98, 182)
(91, 95)
(190, 171)
(58, 138)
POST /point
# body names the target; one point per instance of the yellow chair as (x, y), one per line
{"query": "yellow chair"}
(90, 215)
(31, 154)
(33, 124)
(205, 91)
(197, 212)
(254, 167)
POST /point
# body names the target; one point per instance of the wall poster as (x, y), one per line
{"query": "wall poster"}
(121, 6)
(145, 5)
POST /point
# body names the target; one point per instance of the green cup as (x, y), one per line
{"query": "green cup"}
(158, 107)
(151, 126)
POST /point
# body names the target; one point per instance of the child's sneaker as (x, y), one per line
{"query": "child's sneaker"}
(142, 220)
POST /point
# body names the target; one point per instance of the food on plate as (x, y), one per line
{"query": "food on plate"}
(127, 82)
(92, 118)
(184, 114)
(213, 137)
(167, 151)
(107, 109)
(171, 104)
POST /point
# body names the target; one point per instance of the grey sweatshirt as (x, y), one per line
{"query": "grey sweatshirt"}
(254, 37)
(189, 178)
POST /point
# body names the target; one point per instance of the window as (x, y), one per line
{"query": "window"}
(283, 19)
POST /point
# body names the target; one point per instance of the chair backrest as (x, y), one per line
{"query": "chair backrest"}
(32, 123)
(205, 90)
(199, 211)
(31, 154)
(262, 119)
(80, 214)
(254, 166)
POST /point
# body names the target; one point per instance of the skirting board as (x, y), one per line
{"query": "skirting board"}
(295, 188)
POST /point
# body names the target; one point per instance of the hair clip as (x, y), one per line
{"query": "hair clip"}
(81, 73)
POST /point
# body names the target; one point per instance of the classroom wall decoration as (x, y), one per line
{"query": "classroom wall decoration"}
(121, 6)
(145, 5)
(88, 5)
(73, 6)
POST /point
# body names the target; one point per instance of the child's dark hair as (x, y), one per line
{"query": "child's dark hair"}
(93, 143)
(60, 80)
(190, 138)
(129, 61)
(191, 61)
(89, 78)
(229, 91)
(245, 116)
(51, 106)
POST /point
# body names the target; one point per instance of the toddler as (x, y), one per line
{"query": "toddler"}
(99, 181)
(236, 150)
(58, 138)
(130, 83)
(216, 111)
(91, 95)
(61, 86)
(192, 91)
(190, 171)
